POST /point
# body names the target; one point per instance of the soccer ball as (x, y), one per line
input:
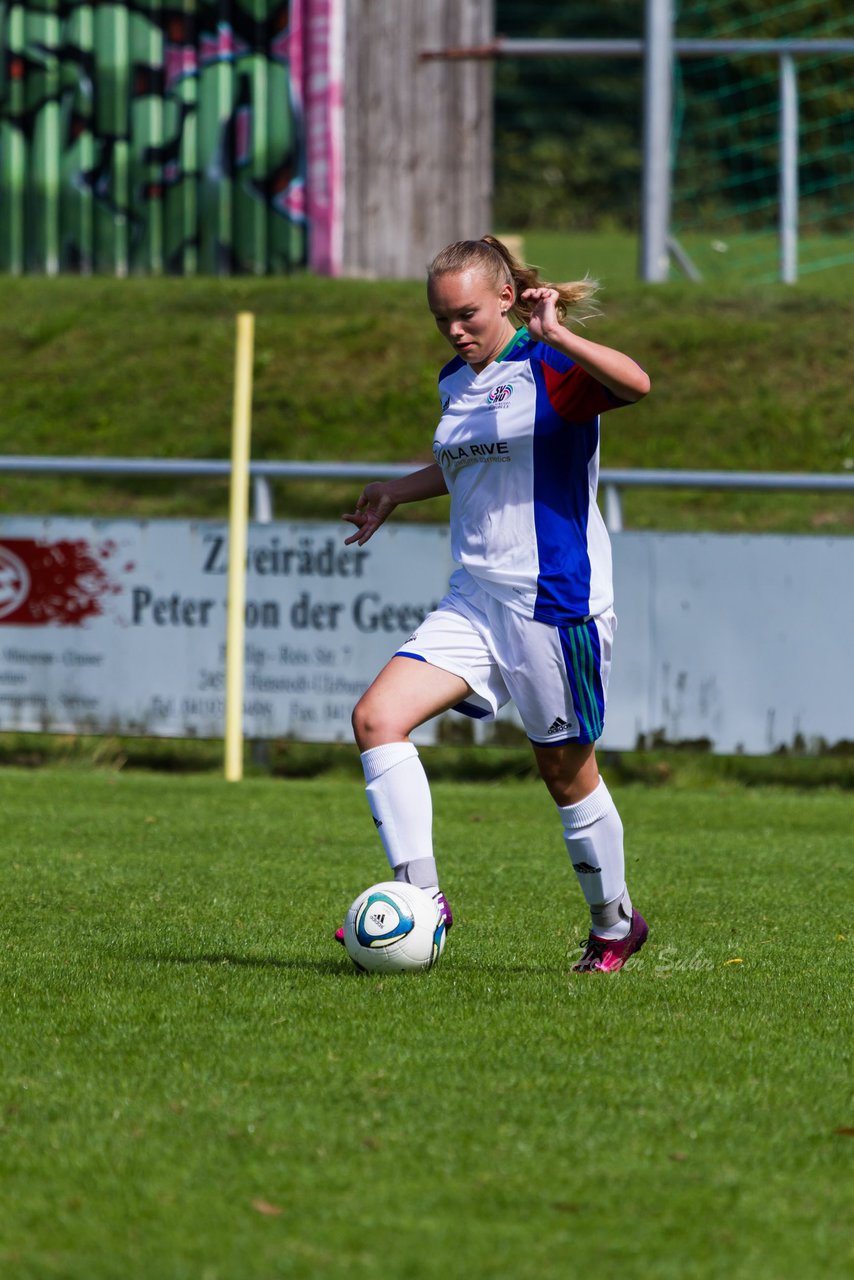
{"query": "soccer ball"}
(394, 927)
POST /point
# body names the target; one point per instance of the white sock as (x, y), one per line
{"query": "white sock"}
(594, 840)
(402, 807)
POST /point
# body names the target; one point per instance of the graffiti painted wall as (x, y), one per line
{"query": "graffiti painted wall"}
(152, 137)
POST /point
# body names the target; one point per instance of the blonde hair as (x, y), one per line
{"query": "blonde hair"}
(494, 259)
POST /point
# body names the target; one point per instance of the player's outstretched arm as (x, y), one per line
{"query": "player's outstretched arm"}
(616, 371)
(379, 498)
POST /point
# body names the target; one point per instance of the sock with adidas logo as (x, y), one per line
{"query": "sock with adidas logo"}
(399, 797)
(593, 833)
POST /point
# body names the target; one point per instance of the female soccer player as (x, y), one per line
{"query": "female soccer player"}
(528, 614)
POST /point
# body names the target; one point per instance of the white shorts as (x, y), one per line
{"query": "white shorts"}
(556, 676)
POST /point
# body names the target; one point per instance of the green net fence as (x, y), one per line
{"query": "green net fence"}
(727, 140)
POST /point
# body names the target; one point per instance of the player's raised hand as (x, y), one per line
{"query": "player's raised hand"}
(373, 507)
(544, 318)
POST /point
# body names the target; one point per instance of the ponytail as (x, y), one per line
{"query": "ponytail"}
(575, 297)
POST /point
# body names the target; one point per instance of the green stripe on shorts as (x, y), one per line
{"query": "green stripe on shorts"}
(584, 667)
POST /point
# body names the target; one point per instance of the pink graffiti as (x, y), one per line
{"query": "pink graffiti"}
(223, 48)
(179, 62)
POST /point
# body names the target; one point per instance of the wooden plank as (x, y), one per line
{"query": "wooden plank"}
(418, 135)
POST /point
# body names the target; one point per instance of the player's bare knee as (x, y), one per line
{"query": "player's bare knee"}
(359, 720)
(370, 725)
(570, 773)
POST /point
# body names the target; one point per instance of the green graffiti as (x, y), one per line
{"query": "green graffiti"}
(140, 139)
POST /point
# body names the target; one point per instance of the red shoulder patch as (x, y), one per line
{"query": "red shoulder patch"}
(575, 394)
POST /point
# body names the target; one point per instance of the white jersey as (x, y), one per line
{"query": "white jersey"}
(518, 445)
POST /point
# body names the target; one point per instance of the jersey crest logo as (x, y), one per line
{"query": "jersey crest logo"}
(500, 395)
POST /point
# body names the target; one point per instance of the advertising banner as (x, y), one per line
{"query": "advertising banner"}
(119, 626)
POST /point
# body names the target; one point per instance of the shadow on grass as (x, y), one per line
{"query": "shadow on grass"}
(488, 969)
(250, 962)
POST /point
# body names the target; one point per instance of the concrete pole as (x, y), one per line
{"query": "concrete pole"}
(657, 117)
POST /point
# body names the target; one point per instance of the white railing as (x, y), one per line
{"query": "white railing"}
(612, 480)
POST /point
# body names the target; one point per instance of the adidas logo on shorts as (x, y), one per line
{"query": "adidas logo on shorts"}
(557, 726)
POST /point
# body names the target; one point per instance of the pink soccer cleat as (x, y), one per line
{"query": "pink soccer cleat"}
(606, 955)
(445, 909)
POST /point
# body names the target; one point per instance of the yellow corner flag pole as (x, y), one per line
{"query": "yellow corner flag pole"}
(237, 522)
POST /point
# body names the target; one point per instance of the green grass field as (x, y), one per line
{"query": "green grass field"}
(197, 1084)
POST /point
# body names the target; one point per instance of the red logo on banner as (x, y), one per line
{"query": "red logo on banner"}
(59, 583)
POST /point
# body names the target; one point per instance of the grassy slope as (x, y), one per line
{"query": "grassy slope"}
(742, 380)
(196, 1083)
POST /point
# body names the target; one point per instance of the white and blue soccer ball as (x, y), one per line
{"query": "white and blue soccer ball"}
(394, 927)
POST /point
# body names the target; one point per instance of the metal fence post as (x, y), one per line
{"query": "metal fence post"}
(657, 112)
(788, 169)
(262, 500)
(613, 509)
